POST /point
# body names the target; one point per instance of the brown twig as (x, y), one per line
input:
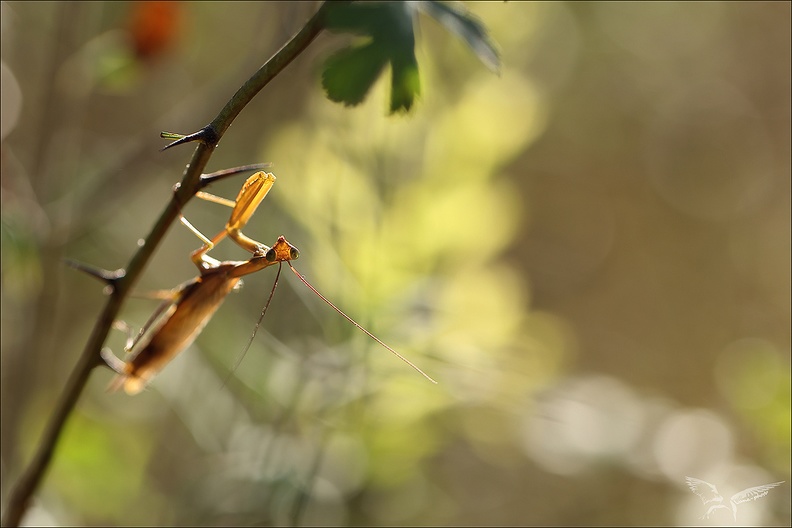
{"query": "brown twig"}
(209, 136)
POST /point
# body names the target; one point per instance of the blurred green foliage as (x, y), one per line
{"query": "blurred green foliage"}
(390, 40)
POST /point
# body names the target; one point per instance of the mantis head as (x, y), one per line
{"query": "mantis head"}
(282, 251)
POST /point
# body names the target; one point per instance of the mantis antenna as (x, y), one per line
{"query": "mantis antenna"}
(359, 327)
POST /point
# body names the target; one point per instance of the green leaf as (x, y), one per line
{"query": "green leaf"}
(405, 82)
(380, 20)
(349, 74)
(467, 27)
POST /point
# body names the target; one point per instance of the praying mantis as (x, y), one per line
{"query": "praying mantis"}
(178, 321)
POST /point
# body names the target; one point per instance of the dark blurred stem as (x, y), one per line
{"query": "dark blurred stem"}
(50, 109)
(28, 483)
(270, 69)
(304, 493)
(41, 313)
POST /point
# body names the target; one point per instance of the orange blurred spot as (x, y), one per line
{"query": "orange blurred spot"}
(154, 27)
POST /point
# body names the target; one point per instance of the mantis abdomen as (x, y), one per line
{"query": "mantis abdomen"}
(182, 322)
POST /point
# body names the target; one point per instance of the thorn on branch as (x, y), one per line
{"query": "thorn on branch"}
(207, 135)
(108, 277)
(207, 179)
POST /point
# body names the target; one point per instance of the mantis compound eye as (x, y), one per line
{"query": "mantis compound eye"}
(271, 255)
(294, 253)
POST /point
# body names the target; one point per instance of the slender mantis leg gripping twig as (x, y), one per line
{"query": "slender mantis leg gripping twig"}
(190, 306)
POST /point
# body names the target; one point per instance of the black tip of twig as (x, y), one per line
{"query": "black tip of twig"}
(206, 179)
(106, 276)
(207, 135)
(183, 139)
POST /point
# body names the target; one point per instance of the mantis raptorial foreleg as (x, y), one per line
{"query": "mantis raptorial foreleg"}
(250, 196)
(247, 201)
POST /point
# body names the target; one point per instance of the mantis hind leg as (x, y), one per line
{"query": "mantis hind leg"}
(199, 256)
(134, 338)
(131, 338)
(114, 363)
